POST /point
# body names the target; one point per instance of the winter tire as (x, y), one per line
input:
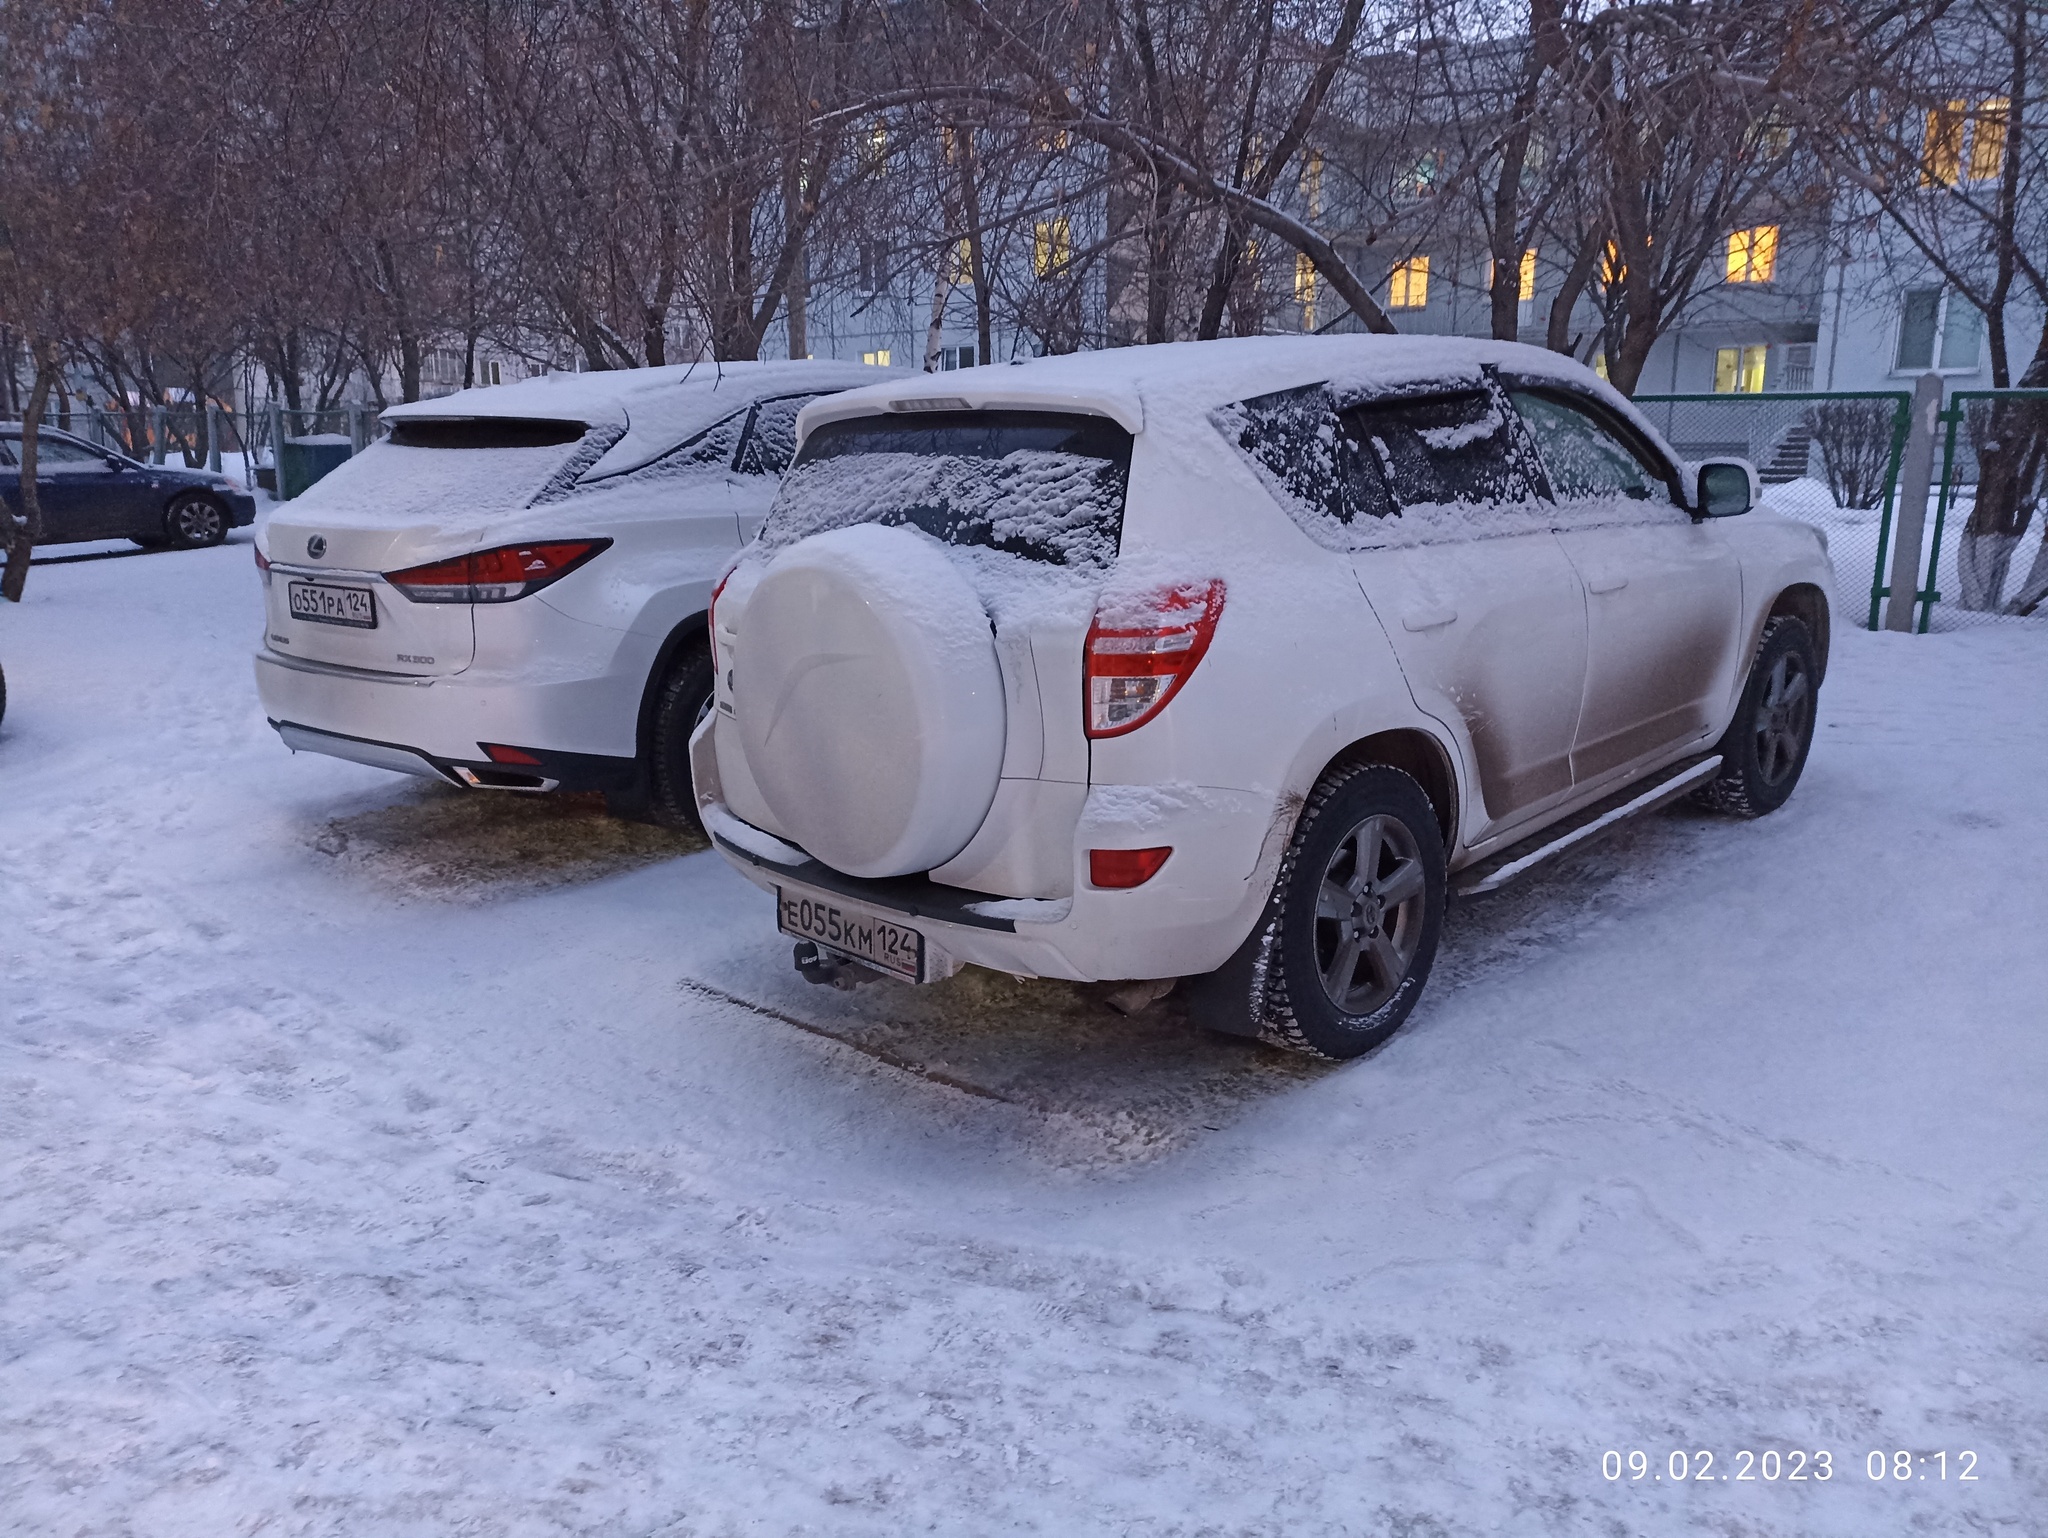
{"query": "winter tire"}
(1765, 746)
(194, 522)
(1352, 930)
(683, 700)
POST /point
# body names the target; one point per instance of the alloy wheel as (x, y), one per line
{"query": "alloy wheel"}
(1782, 713)
(1369, 913)
(197, 521)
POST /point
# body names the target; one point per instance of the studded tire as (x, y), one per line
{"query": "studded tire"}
(683, 700)
(1327, 902)
(1764, 750)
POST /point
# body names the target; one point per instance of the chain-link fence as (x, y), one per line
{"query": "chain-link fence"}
(1831, 460)
(1986, 542)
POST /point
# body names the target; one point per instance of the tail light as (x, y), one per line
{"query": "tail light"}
(262, 563)
(1141, 649)
(494, 576)
(711, 619)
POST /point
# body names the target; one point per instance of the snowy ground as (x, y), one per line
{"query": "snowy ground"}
(381, 1161)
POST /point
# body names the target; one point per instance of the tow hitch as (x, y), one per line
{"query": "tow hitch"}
(818, 965)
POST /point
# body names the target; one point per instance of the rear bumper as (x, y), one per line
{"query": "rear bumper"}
(438, 726)
(552, 771)
(1163, 929)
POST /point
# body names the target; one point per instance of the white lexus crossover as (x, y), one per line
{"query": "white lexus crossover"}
(509, 591)
(1228, 661)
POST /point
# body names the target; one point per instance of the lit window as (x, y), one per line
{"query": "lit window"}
(1305, 289)
(1600, 365)
(1050, 139)
(1052, 247)
(1420, 180)
(1612, 268)
(1987, 139)
(1739, 370)
(1408, 287)
(963, 263)
(1941, 151)
(1753, 254)
(1525, 286)
(1312, 184)
(879, 359)
(878, 147)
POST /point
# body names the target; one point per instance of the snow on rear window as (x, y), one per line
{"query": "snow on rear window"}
(1047, 486)
(399, 481)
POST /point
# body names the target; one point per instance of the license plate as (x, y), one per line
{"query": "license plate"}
(888, 946)
(325, 604)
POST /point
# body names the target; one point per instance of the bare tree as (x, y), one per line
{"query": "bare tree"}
(1947, 145)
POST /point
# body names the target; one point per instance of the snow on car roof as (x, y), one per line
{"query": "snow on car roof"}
(657, 407)
(1128, 384)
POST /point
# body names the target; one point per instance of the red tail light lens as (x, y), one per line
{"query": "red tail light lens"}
(1141, 649)
(262, 564)
(494, 576)
(1125, 867)
(499, 753)
(711, 619)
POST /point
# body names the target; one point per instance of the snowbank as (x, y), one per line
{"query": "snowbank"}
(330, 1208)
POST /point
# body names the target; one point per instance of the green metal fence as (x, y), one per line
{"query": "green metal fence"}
(1829, 459)
(1990, 511)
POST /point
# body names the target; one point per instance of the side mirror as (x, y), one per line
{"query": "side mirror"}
(116, 462)
(1726, 488)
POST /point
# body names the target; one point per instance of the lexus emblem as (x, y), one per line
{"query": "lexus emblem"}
(316, 547)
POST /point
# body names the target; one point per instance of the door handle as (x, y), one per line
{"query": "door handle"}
(1428, 619)
(1607, 584)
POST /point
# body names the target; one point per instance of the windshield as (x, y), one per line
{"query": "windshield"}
(1045, 485)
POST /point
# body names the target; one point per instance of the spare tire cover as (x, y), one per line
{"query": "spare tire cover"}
(869, 700)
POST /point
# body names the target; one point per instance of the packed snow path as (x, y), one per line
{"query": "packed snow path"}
(374, 1163)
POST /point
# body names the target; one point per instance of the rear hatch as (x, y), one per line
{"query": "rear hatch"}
(426, 494)
(1029, 507)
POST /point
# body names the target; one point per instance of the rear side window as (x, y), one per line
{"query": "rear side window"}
(1390, 471)
(1048, 486)
(1293, 436)
(1440, 449)
(771, 436)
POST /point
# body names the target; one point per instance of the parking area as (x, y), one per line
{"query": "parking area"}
(379, 1159)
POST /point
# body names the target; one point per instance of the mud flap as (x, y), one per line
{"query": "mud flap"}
(1232, 999)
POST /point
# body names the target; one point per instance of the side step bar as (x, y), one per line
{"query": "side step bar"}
(1603, 816)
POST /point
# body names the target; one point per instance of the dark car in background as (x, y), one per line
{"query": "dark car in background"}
(87, 491)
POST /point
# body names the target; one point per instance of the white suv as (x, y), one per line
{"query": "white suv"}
(509, 591)
(1226, 661)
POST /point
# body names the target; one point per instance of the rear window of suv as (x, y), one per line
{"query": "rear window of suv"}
(1045, 485)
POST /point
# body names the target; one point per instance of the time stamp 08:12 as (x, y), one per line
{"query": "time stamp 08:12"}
(1773, 1466)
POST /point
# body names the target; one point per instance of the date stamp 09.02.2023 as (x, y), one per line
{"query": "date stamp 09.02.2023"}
(1772, 1465)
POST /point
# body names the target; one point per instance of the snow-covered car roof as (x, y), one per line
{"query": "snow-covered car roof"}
(1126, 384)
(656, 407)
